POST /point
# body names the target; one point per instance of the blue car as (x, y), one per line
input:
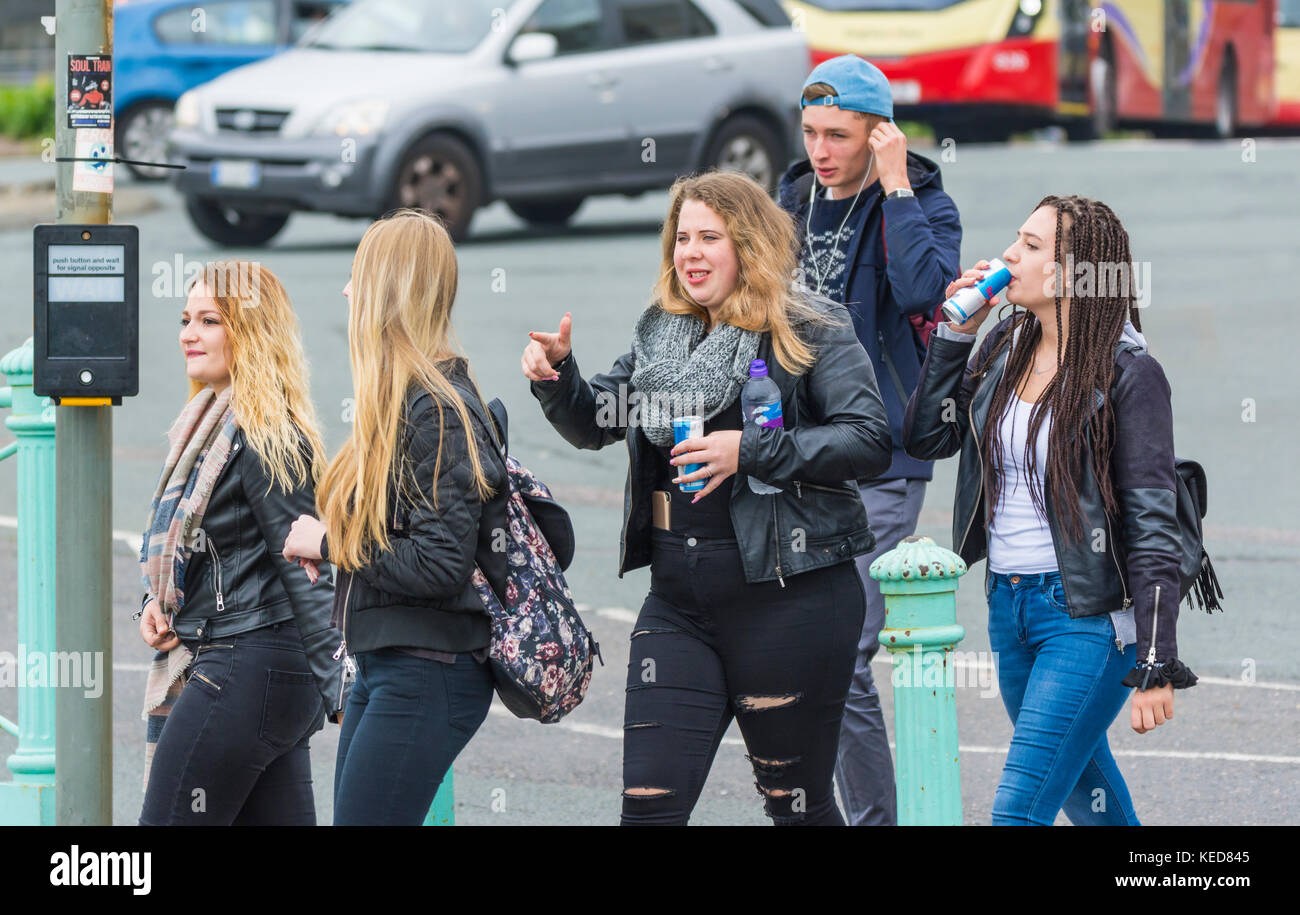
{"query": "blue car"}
(163, 48)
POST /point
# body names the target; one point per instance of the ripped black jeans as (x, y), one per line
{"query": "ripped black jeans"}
(708, 646)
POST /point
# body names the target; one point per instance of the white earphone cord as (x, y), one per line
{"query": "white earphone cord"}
(835, 239)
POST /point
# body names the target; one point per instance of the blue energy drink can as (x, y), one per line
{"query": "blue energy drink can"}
(685, 427)
(970, 299)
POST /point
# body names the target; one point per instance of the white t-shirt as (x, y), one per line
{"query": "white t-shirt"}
(1019, 537)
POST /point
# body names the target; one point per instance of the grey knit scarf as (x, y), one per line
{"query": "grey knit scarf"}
(679, 370)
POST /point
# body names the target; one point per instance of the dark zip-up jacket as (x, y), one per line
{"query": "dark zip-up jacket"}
(835, 432)
(236, 580)
(418, 592)
(901, 257)
(1138, 565)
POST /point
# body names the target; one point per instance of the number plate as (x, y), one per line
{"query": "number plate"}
(236, 173)
(905, 91)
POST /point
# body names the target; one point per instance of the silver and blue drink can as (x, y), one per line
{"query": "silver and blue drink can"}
(685, 427)
(970, 299)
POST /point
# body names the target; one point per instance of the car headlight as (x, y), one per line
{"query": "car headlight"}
(187, 110)
(355, 119)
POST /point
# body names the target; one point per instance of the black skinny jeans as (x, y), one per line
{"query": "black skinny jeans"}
(708, 646)
(234, 748)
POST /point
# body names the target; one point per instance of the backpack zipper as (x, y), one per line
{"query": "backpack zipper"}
(216, 575)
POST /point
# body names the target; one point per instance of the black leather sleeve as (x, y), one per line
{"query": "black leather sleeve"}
(849, 439)
(436, 557)
(937, 413)
(1143, 465)
(275, 511)
(588, 414)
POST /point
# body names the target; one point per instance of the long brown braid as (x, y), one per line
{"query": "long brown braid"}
(1094, 236)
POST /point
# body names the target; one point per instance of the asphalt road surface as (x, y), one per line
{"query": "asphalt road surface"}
(1215, 224)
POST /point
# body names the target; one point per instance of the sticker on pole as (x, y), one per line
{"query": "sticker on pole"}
(93, 176)
(90, 91)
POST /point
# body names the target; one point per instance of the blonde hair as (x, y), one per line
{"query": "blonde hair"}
(399, 331)
(766, 247)
(270, 389)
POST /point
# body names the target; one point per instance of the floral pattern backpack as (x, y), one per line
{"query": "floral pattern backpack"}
(542, 655)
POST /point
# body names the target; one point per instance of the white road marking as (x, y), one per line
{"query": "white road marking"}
(130, 538)
(596, 730)
(622, 614)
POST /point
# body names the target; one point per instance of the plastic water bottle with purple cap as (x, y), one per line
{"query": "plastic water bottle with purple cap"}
(760, 402)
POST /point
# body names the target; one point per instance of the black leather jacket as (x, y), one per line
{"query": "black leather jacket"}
(1141, 546)
(236, 580)
(835, 432)
(418, 592)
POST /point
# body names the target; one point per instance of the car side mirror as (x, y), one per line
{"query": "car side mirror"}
(532, 46)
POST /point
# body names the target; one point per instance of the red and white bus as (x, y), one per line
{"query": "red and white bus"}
(1286, 52)
(980, 69)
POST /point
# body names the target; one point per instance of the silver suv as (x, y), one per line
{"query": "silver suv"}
(451, 104)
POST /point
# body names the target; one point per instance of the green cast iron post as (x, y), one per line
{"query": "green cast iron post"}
(443, 811)
(28, 800)
(919, 581)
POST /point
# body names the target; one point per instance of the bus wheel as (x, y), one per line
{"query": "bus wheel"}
(1225, 103)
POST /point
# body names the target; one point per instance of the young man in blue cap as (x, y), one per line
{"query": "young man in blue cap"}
(880, 235)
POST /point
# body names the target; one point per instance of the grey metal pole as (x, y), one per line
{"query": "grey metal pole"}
(83, 741)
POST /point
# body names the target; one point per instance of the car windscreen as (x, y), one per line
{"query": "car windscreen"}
(422, 26)
(882, 6)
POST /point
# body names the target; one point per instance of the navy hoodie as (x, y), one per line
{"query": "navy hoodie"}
(902, 255)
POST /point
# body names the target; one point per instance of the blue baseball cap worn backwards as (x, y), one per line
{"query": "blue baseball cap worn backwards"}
(859, 86)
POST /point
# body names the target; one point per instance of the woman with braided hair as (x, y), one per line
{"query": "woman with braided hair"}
(1066, 484)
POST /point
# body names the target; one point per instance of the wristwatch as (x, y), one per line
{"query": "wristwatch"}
(900, 192)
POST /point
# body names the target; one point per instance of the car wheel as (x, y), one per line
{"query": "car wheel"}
(142, 136)
(551, 212)
(235, 228)
(745, 144)
(440, 175)
(1225, 102)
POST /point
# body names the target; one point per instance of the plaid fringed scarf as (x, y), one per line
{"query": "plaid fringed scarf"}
(199, 441)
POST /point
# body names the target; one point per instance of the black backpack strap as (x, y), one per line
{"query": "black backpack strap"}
(501, 422)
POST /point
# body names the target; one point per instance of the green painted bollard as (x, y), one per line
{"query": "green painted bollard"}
(919, 582)
(28, 800)
(443, 811)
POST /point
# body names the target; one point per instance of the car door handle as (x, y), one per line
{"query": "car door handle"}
(601, 80)
(716, 64)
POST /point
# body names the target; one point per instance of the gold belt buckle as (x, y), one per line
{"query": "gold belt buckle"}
(661, 504)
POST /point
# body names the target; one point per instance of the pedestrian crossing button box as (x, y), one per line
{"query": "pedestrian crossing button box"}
(86, 327)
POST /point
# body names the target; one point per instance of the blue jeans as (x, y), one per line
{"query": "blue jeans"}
(234, 748)
(407, 719)
(1060, 680)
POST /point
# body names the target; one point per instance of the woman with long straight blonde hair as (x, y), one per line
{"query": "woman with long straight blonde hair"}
(409, 507)
(245, 671)
(755, 605)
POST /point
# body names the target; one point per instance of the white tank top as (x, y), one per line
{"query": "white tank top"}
(1019, 537)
